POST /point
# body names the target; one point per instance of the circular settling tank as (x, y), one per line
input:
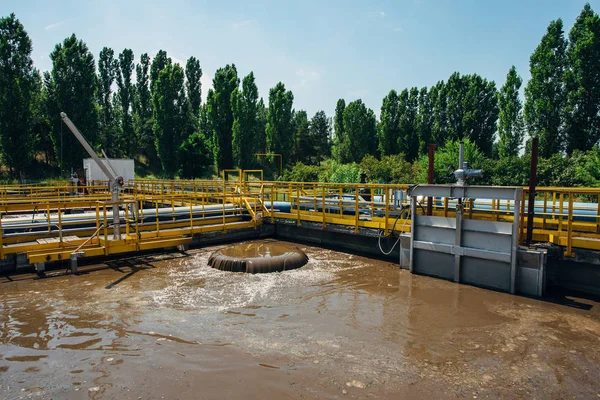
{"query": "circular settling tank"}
(258, 258)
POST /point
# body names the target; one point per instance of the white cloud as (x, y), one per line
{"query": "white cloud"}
(241, 24)
(307, 76)
(177, 60)
(398, 29)
(55, 25)
(358, 93)
(377, 14)
(206, 81)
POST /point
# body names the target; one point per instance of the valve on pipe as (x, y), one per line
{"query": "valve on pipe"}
(463, 173)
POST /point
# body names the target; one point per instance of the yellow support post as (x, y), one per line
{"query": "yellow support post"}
(323, 205)
(544, 212)
(569, 251)
(157, 224)
(356, 210)
(272, 200)
(1, 243)
(560, 211)
(298, 192)
(387, 209)
(445, 207)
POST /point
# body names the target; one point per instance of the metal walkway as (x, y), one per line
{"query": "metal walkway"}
(47, 223)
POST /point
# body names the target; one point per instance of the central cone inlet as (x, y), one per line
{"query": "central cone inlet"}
(258, 258)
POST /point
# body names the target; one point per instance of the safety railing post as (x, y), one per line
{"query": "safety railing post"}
(97, 217)
(272, 200)
(223, 209)
(157, 222)
(561, 200)
(126, 221)
(597, 219)
(60, 232)
(387, 210)
(323, 205)
(298, 193)
(569, 251)
(1, 242)
(105, 228)
(356, 210)
(544, 212)
(446, 207)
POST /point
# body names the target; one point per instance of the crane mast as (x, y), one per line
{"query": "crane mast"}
(113, 180)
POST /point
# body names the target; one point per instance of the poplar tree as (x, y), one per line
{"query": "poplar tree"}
(361, 131)
(169, 115)
(245, 124)
(340, 147)
(408, 136)
(18, 87)
(127, 143)
(107, 71)
(582, 79)
(220, 114)
(320, 134)
(280, 129)
(302, 146)
(425, 118)
(71, 88)
(510, 121)
(142, 109)
(389, 125)
(545, 91)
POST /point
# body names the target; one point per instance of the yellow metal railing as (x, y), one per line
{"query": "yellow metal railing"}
(569, 217)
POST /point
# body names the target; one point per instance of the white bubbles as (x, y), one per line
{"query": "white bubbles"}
(195, 285)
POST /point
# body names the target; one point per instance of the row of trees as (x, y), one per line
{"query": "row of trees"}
(155, 114)
(152, 110)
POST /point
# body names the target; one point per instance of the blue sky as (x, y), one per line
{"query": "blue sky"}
(322, 50)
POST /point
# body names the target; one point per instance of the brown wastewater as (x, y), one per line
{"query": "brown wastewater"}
(169, 326)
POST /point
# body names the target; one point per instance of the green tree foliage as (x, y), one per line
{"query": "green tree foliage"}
(302, 146)
(471, 110)
(389, 126)
(481, 112)
(245, 123)
(142, 109)
(169, 116)
(107, 72)
(510, 122)
(446, 161)
(160, 62)
(261, 137)
(360, 132)
(339, 143)
(425, 118)
(19, 87)
(320, 134)
(127, 143)
(71, 87)
(440, 115)
(390, 169)
(334, 172)
(193, 74)
(220, 113)
(301, 172)
(545, 91)
(408, 137)
(507, 171)
(280, 127)
(582, 109)
(195, 156)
